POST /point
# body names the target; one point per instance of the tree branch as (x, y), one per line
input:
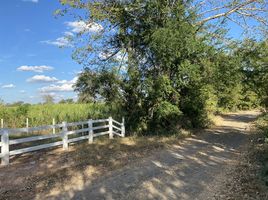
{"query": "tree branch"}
(224, 14)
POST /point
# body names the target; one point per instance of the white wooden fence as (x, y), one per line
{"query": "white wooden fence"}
(106, 126)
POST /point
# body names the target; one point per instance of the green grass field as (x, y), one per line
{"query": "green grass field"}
(15, 117)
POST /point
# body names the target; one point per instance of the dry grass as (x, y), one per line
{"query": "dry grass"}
(52, 168)
(217, 120)
(248, 178)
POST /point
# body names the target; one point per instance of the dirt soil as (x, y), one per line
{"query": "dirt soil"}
(205, 166)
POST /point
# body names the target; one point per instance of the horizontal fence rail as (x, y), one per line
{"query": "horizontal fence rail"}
(94, 128)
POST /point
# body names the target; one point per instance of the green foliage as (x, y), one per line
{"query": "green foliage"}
(165, 117)
(94, 86)
(198, 104)
(262, 124)
(66, 101)
(250, 100)
(22, 110)
(171, 72)
(254, 65)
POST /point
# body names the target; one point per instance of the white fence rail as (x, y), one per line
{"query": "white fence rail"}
(106, 127)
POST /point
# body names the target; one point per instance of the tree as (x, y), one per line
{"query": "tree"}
(17, 103)
(48, 99)
(96, 86)
(157, 58)
(2, 102)
(66, 101)
(255, 68)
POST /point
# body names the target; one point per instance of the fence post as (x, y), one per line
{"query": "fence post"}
(54, 123)
(123, 133)
(90, 131)
(5, 148)
(111, 136)
(2, 123)
(65, 136)
(27, 124)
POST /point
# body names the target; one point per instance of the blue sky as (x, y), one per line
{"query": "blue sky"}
(31, 63)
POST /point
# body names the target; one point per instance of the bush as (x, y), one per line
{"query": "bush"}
(198, 105)
(265, 102)
(262, 124)
(166, 117)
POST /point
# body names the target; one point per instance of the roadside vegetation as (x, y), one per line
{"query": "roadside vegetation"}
(248, 179)
(262, 125)
(43, 114)
(262, 147)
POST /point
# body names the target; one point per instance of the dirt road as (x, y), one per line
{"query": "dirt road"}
(194, 169)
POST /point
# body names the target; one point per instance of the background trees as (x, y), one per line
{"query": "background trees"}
(48, 99)
(167, 62)
(254, 63)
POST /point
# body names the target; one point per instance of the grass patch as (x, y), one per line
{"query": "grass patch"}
(262, 151)
(262, 148)
(262, 124)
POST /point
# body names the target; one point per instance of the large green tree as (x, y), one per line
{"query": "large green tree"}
(254, 64)
(159, 59)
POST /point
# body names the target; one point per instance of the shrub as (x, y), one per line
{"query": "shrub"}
(198, 105)
(166, 117)
(262, 124)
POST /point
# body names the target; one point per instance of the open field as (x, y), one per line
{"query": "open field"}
(15, 117)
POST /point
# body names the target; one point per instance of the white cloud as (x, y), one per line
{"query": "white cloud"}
(57, 88)
(22, 91)
(73, 81)
(60, 42)
(68, 33)
(74, 27)
(82, 27)
(8, 86)
(33, 1)
(39, 69)
(64, 41)
(61, 86)
(41, 79)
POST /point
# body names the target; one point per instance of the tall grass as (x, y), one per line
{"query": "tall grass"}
(15, 117)
(262, 124)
